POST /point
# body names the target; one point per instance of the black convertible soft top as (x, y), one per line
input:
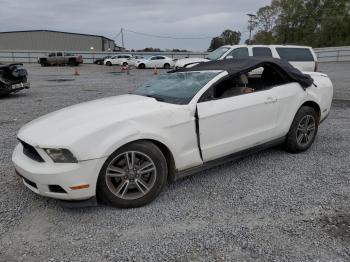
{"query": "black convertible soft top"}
(241, 66)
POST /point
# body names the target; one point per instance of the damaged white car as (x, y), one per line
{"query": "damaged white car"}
(124, 149)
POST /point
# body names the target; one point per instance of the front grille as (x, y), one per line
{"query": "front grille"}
(31, 152)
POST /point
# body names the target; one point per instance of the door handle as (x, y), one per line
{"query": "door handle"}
(271, 100)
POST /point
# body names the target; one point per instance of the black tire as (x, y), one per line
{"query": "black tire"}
(72, 62)
(166, 66)
(142, 66)
(161, 170)
(44, 62)
(108, 63)
(302, 128)
(125, 64)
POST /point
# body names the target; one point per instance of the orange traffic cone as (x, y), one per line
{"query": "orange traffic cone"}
(76, 72)
(125, 69)
(155, 71)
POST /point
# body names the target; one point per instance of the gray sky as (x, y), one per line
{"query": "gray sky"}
(178, 18)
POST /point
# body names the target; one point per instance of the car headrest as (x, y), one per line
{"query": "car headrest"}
(243, 79)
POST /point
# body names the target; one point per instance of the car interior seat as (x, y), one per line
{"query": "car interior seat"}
(270, 77)
(235, 85)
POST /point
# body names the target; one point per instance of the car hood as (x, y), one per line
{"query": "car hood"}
(182, 62)
(69, 125)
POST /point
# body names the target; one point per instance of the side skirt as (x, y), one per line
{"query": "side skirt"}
(229, 158)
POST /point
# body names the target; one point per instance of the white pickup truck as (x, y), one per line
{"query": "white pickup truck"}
(301, 57)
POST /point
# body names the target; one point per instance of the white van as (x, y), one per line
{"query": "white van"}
(301, 57)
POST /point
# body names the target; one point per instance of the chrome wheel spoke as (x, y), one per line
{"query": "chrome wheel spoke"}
(307, 120)
(141, 185)
(146, 168)
(307, 138)
(300, 128)
(300, 138)
(122, 188)
(115, 172)
(311, 127)
(130, 159)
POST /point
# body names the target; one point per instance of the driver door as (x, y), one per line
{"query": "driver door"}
(153, 61)
(232, 124)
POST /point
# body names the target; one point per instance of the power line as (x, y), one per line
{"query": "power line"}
(168, 37)
(117, 35)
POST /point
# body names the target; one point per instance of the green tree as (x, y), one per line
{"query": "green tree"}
(264, 38)
(266, 17)
(307, 22)
(228, 37)
(265, 21)
(215, 43)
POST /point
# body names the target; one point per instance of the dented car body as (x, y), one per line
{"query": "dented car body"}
(192, 116)
(13, 78)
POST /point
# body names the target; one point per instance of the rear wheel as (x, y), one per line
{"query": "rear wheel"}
(72, 62)
(125, 64)
(166, 66)
(142, 66)
(44, 62)
(303, 130)
(132, 176)
(108, 63)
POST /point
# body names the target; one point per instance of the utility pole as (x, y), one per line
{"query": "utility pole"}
(122, 37)
(251, 26)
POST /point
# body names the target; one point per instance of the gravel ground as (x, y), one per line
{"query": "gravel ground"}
(271, 206)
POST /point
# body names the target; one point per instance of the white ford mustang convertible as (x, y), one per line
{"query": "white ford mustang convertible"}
(124, 149)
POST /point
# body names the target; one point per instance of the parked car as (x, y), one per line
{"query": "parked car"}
(100, 61)
(121, 59)
(13, 78)
(124, 148)
(133, 61)
(301, 57)
(158, 61)
(60, 58)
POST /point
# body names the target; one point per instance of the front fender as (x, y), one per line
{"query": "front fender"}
(104, 143)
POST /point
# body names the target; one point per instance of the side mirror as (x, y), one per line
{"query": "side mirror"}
(229, 57)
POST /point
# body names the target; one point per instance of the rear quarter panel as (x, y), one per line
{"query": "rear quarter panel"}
(321, 91)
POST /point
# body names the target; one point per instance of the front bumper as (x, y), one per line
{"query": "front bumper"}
(14, 88)
(48, 178)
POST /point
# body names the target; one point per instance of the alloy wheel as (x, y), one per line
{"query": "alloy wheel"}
(306, 130)
(131, 175)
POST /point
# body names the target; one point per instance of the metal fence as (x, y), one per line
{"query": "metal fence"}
(22, 56)
(333, 54)
(329, 54)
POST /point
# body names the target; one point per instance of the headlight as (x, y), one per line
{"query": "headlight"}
(61, 155)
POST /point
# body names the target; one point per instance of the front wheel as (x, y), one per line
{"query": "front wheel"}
(132, 176)
(108, 63)
(303, 130)
(166, 66)
(142, 66)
